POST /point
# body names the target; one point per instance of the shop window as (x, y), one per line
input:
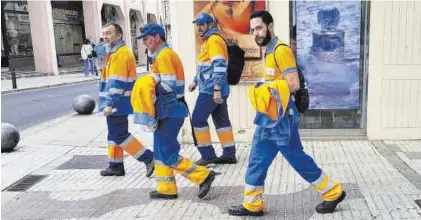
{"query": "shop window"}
(68, 26)
(16, 29)
(331, 51)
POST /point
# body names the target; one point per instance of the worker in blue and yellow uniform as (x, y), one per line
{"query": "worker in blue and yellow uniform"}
(211, 76)
(158, 102)
(277, 126)
(117, 79)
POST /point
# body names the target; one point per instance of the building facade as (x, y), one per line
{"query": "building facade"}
(38, 34)
(362, 59)
(374, 90)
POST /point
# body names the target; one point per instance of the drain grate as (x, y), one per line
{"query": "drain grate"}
(418, 202)
(25, 183)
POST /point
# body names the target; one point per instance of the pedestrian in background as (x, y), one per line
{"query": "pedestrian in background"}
(86, 53)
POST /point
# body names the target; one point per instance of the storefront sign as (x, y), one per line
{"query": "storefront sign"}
(65, 14)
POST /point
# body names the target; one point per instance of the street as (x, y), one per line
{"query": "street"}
(25, 109)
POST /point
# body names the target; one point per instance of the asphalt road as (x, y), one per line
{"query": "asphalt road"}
(26, 109)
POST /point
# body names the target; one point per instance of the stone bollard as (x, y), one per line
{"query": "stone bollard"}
(9, 137)
(84, 104)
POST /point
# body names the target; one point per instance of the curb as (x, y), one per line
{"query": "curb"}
(47, 86)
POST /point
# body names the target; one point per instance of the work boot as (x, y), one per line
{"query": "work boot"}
(150, 167)
(157, 195)
(241, 211)
(330, 206)
(112, 172)
(206, 185)
(203, 162)
(226, 160)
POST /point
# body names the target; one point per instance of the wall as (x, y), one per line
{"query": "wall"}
(394, 84)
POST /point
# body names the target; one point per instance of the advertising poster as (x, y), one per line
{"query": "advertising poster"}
(233, 24)
(328, 52)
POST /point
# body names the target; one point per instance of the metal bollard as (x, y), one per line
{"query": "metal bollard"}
(14, 85)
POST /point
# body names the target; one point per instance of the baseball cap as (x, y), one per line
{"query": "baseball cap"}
(203, 18)
(151, 29)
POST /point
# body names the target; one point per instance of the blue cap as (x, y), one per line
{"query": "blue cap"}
(151, 29)
(203, 18)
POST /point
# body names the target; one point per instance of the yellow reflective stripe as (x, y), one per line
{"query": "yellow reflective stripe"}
(179, 159)
(201, 129)
(168, 76)
(253, 198)
(116, 91)
(319, 180)
(158, 162)
(127, 141)
(323, 184)
(121, 78)
(180, 83)
(165, 179)
(224, 129)
(230, 144)
(219, 69)
(190, 171)
(252, 188)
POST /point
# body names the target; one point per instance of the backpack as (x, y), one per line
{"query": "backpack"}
(235, 62)
(302, 98)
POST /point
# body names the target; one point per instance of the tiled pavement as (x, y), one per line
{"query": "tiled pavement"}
(382, 179)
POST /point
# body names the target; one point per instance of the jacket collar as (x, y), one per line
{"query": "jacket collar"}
(209, 33)
(156, 53)
(272, 45)
(119, 44)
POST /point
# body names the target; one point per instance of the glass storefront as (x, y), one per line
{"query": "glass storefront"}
(68, 26)
(16, 30)
(133, 28)
(108, 14)
(332, 53)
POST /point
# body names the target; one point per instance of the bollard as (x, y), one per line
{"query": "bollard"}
(14, 85)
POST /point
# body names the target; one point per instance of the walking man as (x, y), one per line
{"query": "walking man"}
(277, 126)
(101, 51)
(211, 78)
(158, 102)
(116, 83)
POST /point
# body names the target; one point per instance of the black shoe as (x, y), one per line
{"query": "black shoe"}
(109, 172)
(203, 162)
(157, 195)
(150, 167)
(226, 160)
(241, 211)
(206, 185)
(329, 206)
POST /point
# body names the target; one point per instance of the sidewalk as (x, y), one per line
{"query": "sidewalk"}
(24, 84)
(382, 179)
(30, 83)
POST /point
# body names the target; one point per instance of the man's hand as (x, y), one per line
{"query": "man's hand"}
(192, 86)
(108, 110)
(217, 97)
